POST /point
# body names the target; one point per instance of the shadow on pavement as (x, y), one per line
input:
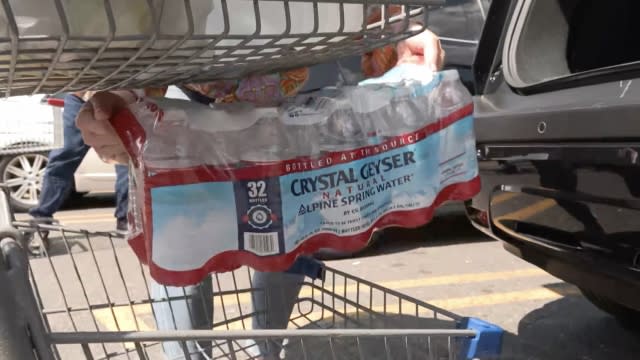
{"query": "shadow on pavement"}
(445, 229)
(449, 226)
(81, 202)
(375, 347)
(93, 201)
(571, 328)
(74, 243)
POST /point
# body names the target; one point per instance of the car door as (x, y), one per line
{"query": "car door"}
(558, 137)
(95, 175)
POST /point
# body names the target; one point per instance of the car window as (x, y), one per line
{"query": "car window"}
(459, 24)
(459, 19)
(554, 44)
(589, 47)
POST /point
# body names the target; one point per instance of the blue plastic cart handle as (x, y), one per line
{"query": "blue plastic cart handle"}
(486, 344)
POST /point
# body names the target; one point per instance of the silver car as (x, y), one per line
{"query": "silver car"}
(29, 129)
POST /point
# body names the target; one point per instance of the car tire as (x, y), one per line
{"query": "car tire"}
(627, 317)
(22, 173)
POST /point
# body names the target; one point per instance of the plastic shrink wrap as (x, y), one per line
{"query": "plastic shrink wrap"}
(215, 188)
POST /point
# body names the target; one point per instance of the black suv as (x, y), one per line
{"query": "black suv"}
(558, 132)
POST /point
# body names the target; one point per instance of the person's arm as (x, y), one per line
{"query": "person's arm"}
(93, 119)
(424, 48)
(97, 132)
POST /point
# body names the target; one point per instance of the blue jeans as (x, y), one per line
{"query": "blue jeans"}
(63, 163)
(273, 299)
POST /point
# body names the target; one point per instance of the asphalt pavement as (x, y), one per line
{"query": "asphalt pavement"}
(447, 264)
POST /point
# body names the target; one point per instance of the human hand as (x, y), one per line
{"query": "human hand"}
(94, 123)
(423, 49)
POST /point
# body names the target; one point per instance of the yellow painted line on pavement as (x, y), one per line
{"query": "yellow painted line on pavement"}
(529, 211)
(123, 319)
(126, 319)
(75, 216)
(397, 285)
(500, 198)
(451, 304)
(79, 219)
(88, 221)
(84, 216)
(504, 298)
(455, 279)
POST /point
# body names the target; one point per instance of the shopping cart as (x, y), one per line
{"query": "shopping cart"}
(106, 44)
(87, 296)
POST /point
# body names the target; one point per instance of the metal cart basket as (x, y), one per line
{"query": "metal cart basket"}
(57, 46)
(88, 297)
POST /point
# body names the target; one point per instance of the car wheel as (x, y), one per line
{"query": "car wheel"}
(628, 318)
(22, 174)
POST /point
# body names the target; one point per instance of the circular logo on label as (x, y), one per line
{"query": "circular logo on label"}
(259, 216)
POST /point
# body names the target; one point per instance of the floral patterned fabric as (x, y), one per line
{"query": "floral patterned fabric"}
(258, 89)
